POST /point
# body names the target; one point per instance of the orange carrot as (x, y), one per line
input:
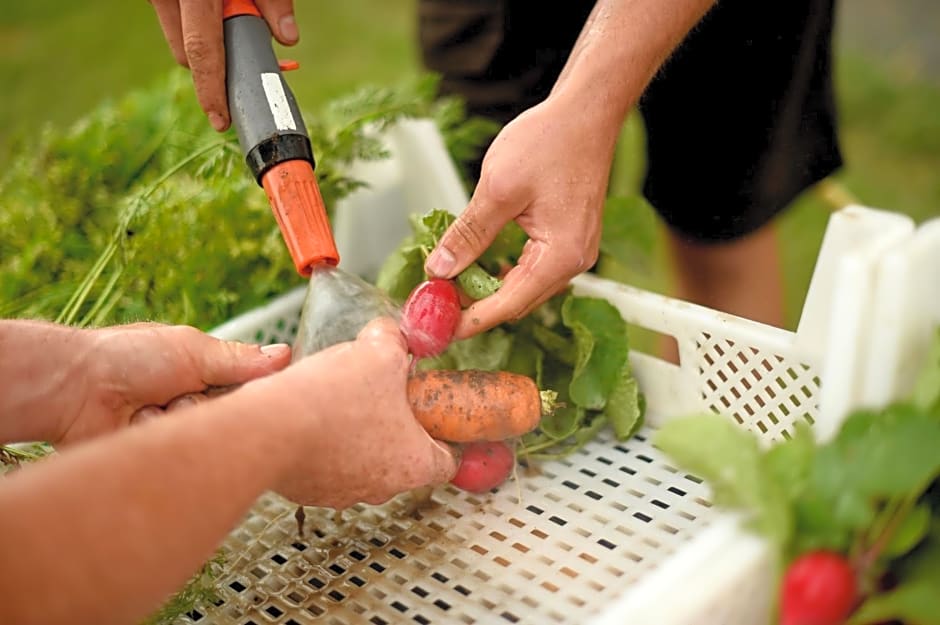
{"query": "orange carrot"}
(471, 405)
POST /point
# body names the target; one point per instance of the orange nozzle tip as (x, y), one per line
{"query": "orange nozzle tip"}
(231, 8)
(295, 199)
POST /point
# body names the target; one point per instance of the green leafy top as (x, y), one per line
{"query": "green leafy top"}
(870, 492)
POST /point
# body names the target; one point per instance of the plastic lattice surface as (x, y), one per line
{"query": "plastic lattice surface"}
(764, 392)
(551, 547)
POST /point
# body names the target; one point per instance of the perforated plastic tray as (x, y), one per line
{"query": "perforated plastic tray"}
(614, 533)
(552, 548)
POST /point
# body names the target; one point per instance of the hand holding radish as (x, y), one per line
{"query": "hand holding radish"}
(548, 171)
(357, 439)
(482, 409)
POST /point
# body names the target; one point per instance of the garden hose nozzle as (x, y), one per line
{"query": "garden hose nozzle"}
(273, 137)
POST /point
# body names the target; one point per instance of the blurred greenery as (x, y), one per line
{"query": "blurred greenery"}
(60, 59)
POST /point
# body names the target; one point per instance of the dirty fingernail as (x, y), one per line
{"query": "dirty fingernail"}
(147, 413)
(275, 350)
(218, 121)
(288, 27)
(215, 391)
(440, 262)
(181, 402)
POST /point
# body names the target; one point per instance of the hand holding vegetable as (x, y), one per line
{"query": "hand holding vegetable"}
(548, 171)
(66, 384)
(548, 168)
(331, 430)
(355, 436)
(193, 28)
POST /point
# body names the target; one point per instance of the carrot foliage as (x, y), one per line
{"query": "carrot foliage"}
(140, 211)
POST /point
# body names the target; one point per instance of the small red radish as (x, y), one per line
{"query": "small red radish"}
(819, 588)
(484, 466)
(429, 317)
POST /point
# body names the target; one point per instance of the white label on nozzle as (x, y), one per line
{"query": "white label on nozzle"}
(277, 101)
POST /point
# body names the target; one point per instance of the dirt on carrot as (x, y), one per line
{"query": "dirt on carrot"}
(472, 405)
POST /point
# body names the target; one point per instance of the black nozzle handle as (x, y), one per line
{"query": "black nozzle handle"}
(263, 108)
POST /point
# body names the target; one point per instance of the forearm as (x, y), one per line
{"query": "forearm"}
(116, 524)
(621, 47)
(42, 368)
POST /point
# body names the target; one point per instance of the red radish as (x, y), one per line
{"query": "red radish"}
(430, 316)
(484, 466)
(819, 588)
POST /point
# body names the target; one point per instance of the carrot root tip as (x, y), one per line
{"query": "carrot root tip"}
(549, 402)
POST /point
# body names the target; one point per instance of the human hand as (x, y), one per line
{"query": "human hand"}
(134, 372)
(548, 170)
(193, 28)
(356, 439)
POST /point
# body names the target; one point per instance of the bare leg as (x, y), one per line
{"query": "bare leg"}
(741, 277)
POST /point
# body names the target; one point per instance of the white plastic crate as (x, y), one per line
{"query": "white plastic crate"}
(614, 533)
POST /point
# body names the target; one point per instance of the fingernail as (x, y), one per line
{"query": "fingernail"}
(147, 413)
(440, 262)
(288, 27)
(275, 350)
(218, 121)
(185, 400)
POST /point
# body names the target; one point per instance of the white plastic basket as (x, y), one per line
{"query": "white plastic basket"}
(614, 533)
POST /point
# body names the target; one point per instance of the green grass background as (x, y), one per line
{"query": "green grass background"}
(61, 58)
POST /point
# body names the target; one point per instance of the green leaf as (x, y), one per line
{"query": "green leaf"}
(914, 600)
(477, 283)
(891, 453)
(200, 592)
(624, 408)
(559, 347)
(729, 459)
(441, 361)
(587, 433)
(789, 461)
(563, 422)
(601, 349)
(876, 456)
(910, 532)
(488, 351)
(629, 230)
(831, 509)
(401, 272)
(926, 395)
(505, 249)
(526, 358)
(430, 227)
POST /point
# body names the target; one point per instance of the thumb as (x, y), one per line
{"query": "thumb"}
(468, 237)
(225, 363)
(446, 460)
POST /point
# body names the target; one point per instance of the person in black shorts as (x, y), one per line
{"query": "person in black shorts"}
(740, 119)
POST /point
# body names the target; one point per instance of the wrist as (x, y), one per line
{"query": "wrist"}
(281, 417)
(593, 124)
(45, 365)
(619, 50)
